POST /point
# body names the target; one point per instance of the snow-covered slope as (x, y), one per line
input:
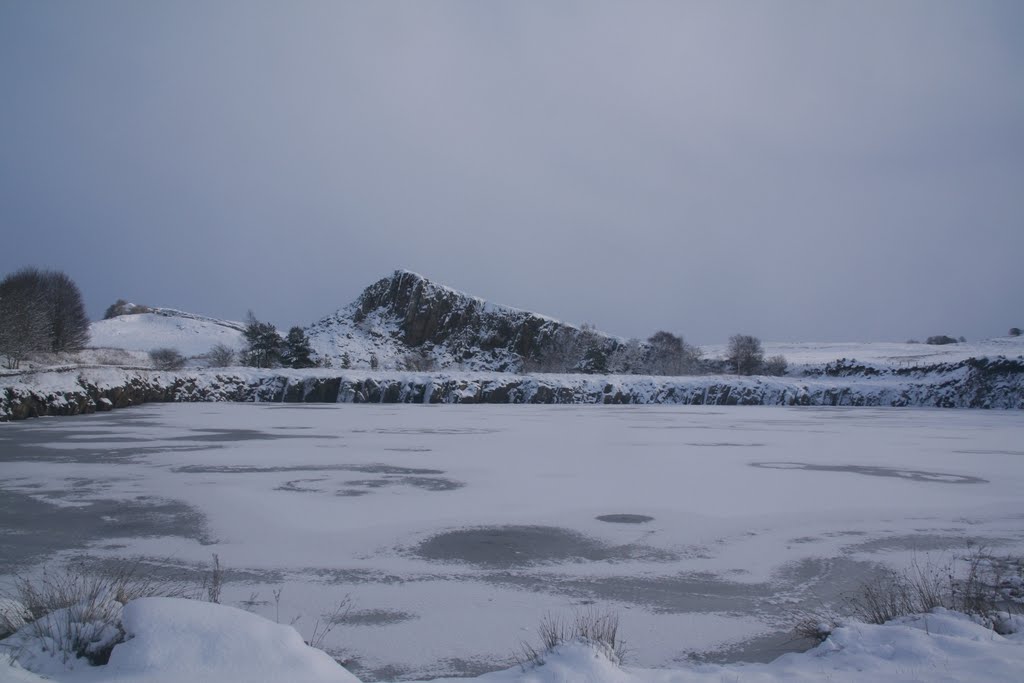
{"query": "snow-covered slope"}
(190, 334)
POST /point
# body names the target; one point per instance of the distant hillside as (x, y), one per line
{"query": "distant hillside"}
(191, 334)
(408, 322)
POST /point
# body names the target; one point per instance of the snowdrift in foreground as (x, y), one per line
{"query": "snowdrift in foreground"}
(170, 640)
(173, 640)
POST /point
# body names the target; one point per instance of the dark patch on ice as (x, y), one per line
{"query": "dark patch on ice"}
(254, 469)
(876, 471)
(506, 547)
(32, 530)
(425, 483)
(675, 594)
(358, 576)
(296, 485)
(757, 650)
(411, 449)
(351, 493)
(805, 539)
(374, 617)
(990, 452)
(919, 542)
(371, 674)
(624, 518)
(460, 667)
(715, 444)
(232, 435)
(191, 575)
(444, 431)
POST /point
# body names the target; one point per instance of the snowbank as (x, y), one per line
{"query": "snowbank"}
(172, 640)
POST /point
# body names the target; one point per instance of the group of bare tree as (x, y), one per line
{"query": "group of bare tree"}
(40, 311)
(585, 350)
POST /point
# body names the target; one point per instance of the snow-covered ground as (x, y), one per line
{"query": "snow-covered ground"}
(805, 355)
(190, 334)
(174, 640)
(454, 529)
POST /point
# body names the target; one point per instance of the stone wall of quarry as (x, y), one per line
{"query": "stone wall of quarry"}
(974, 383)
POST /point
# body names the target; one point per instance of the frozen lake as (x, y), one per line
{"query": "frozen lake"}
(455, 529)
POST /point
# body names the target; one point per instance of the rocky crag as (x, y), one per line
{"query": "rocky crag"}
(974, 383)
(405, 321)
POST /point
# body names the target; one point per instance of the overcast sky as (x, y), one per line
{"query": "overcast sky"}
(813, 170)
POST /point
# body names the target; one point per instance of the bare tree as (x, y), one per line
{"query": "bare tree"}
(167, 359)
(56, 297)
(669, 354)
(22, 326)
(628, 358)
(775, 366)
(69, 325)
(419, 360)
(745, 354)
(220, 356)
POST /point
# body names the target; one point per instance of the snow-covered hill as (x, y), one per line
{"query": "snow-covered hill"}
(406, 321)
(190, 334)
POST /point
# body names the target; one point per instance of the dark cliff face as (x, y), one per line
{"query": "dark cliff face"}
(429, 314)
(974, 383)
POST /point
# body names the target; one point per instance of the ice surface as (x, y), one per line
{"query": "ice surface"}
(730, 551)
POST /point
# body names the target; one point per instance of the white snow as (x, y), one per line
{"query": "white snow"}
(190, 334)
(276, 505)
(174, 640)
(803, 355)
(171, 640)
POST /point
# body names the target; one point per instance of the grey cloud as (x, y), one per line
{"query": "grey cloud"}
(798, 170)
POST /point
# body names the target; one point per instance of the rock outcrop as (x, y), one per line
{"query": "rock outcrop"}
(408, 322)
(974, 383)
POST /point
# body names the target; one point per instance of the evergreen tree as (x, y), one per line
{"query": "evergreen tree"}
(297, 352)
(263, 345)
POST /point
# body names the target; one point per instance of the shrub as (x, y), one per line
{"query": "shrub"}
(775, 366)
(940, 340)
(745, 354)
(590, 627)
(220, 356)
(122, 307)
(167, 359)
(975, 588)
(74, 613)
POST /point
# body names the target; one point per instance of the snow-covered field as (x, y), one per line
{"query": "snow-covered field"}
(806, 355)
(190, 334)
(455, 529)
